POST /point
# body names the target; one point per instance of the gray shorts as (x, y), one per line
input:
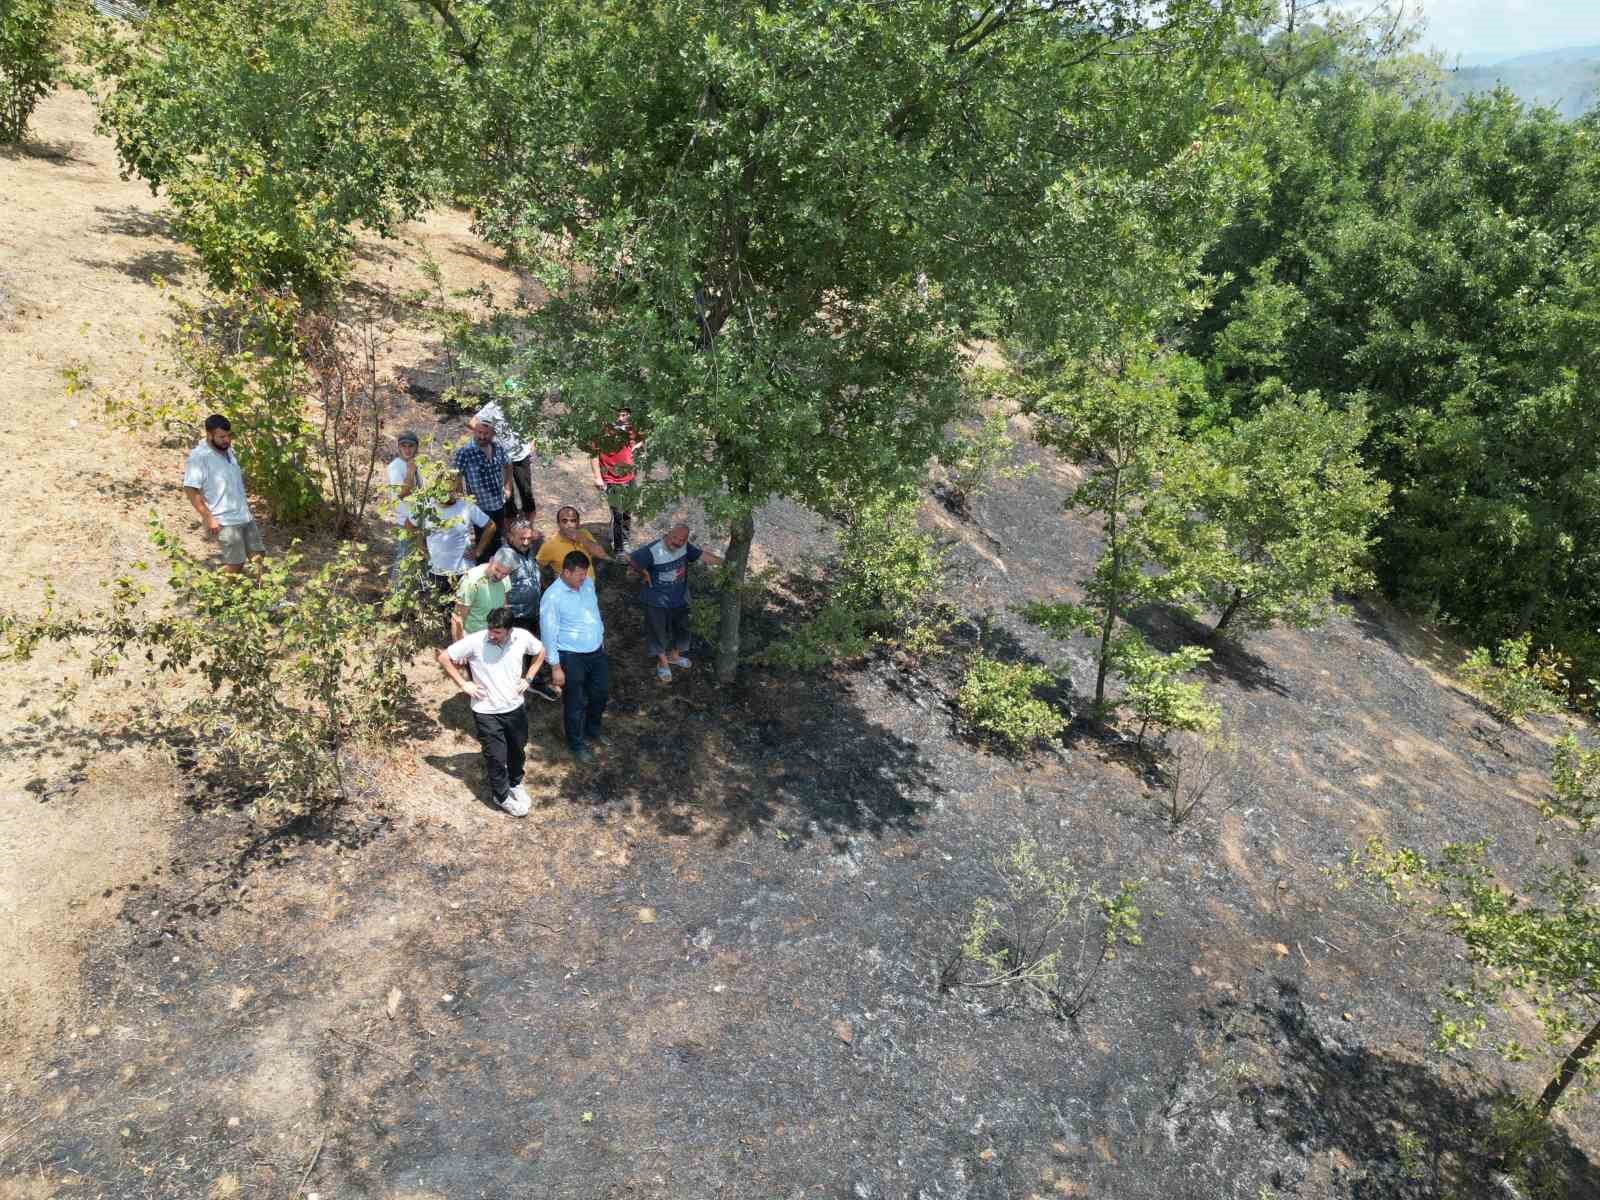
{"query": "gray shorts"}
(238, 542)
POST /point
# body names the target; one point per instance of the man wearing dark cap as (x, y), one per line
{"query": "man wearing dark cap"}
(404, 478)
(215, 487)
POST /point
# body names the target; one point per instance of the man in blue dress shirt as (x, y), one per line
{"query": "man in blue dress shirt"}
(573, 635)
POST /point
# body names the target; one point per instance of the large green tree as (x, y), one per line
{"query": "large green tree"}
(772, 227)
(1439, 270)
(277, 127)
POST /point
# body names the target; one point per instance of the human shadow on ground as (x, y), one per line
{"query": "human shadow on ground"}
(1409, 1131)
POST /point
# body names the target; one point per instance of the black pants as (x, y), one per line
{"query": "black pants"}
(502, 523)
(621, 522)
(504, 738)
(521, 502)
(666, 629)
(583, 699)
(531, 624)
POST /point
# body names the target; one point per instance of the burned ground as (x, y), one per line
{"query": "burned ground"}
(709, 965)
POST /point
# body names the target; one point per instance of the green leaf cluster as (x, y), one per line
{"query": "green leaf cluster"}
(997, 698)
(30, 62)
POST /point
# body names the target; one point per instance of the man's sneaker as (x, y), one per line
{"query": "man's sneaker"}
(516, 802)
(596, 739)
(664, 674)
(543, 692)
(583, 754)
(679, 661)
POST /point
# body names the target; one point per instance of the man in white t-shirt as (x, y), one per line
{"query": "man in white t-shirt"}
(215, 486)
(404, 478)
(495, 656)
(450, 538)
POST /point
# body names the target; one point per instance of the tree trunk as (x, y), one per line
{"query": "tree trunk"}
(1105, 658)
(1569, 1070)
(738, 560)
(1227, 613)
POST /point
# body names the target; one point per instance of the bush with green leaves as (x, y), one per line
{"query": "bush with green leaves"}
(273, 676)
(1530, 944)
(1202, 770)
(978, 455)
(997, 698)
(1046, 936)
(30, 62)
(1512, 681)
(1155, 693)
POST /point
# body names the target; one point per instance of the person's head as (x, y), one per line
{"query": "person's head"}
(482, 433)
(574, 567)
(623, 419)
(567, 521)
(520, 535)
(497, 568)
(218, 432)
(676, 537)
(498, 625)
(408, 443)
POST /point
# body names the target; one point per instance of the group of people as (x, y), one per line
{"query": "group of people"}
(522, 614)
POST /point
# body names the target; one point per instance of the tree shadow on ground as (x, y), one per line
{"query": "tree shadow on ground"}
(61, 151)
(1409, 1131)
(1168, 629)
(146, 267)
(795, 752)
(132, 221)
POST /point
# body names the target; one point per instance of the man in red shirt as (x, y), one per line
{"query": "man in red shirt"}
(613, 472)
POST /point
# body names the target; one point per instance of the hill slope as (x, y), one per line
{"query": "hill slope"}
(708, 966)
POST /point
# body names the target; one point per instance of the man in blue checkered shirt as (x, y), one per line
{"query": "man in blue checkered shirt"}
(486, 471)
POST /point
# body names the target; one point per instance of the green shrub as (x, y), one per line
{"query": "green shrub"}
(1510, 684)
(836, 632)
(291, 671)
(998, 698)
(974, 459)
(29, 62)
(1046, 936)
(1153, 692)
(1574, 784)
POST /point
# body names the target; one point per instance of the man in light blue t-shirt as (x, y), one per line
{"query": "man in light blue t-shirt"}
(664, 563)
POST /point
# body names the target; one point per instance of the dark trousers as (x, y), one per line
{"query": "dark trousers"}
(504, 738)
(531, 624)
(621, 522)
(502, 522)
(583, 699)
(666, 629)
(521, 502)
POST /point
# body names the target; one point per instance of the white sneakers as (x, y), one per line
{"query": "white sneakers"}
(678, 661)
(517, 802)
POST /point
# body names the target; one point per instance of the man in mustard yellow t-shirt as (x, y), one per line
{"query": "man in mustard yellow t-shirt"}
(569, 536)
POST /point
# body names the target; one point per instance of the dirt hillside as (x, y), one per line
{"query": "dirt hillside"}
(709, 965)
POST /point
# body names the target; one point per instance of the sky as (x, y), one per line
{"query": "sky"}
(1486, 31)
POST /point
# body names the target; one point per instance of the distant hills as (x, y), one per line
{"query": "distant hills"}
(1567, 80)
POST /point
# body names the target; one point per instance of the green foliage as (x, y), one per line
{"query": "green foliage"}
(1290, 507)
(998, 699)
(1533, 947)
(1575, 784)
(1154, 692)
(1047, 936)
(976, 457)
(880, 589)
(768, 228)
(1438, 270)
(1512, 682)
(1119, 418)
(1061, 619)
(277, 675)
(1203, 770)
(274, 128)
(30, 62)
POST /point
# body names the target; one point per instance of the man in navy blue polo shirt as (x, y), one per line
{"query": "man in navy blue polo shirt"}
(486, 471)
(665, 596)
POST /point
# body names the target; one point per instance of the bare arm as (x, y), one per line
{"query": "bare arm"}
(209, 522)
(599, 480)
(453, 671)
(409, 483)
(716, 560)
(458, 617)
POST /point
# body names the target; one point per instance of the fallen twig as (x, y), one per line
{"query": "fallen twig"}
(299, 1188)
